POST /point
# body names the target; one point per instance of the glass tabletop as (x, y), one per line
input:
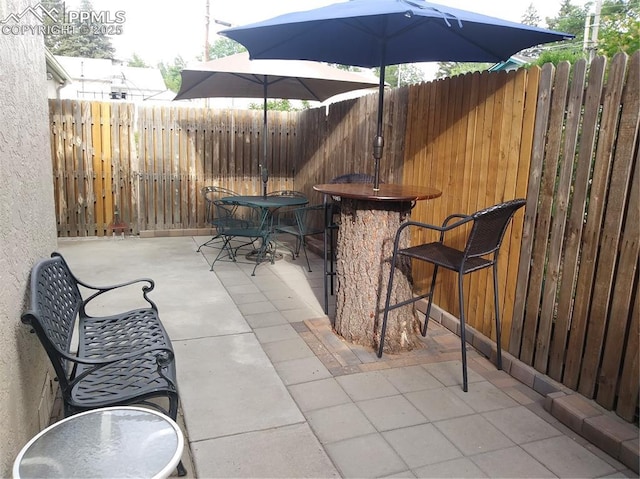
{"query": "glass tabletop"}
(266, 201)
(104, 443)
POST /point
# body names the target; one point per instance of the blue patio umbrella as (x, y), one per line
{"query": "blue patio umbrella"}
(377, 33)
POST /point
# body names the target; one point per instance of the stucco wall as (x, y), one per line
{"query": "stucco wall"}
(27, 229)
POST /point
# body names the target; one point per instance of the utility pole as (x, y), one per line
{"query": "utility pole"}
(594, 30)
(206, 32)
(591, 28)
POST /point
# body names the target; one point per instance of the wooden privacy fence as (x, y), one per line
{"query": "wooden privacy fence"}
(181, 150)
(565, 139)
(93, 165)
(576, 306)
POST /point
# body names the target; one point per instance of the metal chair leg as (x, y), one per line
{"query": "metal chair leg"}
(326, 253)
(428, 311)
(329, 249)
(497, 306)
(304, 250)
(332, 250)
(208, 243)
(463, 329)
(224, 247)
(387, 301)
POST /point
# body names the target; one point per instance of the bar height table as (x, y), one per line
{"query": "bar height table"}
(369, 220)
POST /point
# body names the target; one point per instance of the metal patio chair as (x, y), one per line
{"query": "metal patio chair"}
(309, 221)
(210, 194)
(245, 222)
(481, 251)
(285, 216)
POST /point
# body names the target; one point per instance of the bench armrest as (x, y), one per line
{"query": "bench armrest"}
(100, 290)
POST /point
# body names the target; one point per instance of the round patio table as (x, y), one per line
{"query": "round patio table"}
(369, 220)
(270, 204)
(112, 442)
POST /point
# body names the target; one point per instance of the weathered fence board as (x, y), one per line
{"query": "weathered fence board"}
(545, 209)
(586, 333)
(593, 224)
(574, 227)
(610, 246)
(629, 382)
(625, 277)
(560, 199)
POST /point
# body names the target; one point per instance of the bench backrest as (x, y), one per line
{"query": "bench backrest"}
(55, 302)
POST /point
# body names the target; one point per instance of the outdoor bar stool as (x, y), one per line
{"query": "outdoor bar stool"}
(332, 208)
(481, 251)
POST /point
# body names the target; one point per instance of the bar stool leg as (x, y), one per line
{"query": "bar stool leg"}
(326, 256)
(463, 329)
(497, 306)
(428, 311)
(387, 301)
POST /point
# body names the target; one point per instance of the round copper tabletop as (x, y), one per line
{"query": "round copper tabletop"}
(387, 191)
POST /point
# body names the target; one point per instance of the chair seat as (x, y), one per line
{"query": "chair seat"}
(445, 256)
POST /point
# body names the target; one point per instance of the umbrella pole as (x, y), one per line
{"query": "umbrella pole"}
(378, 141)
(264, 171)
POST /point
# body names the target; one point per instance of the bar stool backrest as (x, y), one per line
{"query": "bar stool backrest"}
(489, 226)
(352, 178)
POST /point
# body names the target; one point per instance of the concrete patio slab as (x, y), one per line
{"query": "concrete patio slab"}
(286, 452)
(229, 386)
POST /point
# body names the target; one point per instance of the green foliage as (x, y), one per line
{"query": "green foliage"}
(279, 105)
(171, 73)
(402, 75)
(619, 27)
(223, 47)
(556, 56)
(531, 16)
(137, 61)
(570, 19)
(84, 39)
(347, 68)
(451, 69)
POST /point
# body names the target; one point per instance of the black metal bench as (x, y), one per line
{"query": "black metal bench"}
(114, 360)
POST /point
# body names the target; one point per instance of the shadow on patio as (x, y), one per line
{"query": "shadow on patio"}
(267, 389)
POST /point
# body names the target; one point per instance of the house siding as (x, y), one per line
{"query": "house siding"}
(27, 232)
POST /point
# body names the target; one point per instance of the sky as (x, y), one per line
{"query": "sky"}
(160, 30)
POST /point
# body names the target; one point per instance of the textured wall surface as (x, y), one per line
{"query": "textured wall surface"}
(27, 229)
